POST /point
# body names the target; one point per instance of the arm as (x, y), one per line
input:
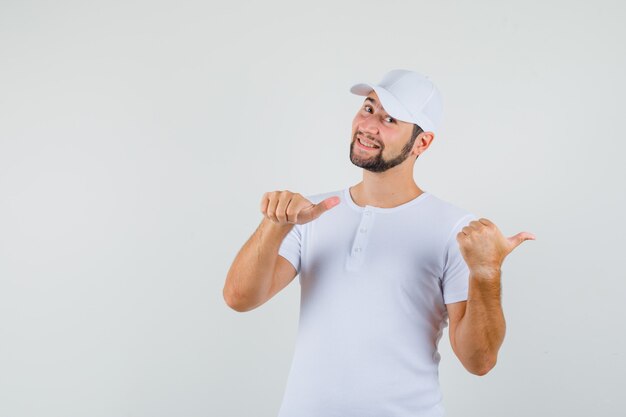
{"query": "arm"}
(258, 272)
(477, 326)
(250, 277)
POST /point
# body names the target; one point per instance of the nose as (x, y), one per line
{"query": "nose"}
(368, 125)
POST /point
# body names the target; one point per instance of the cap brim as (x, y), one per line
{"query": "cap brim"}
(361, 89)
(391, 105)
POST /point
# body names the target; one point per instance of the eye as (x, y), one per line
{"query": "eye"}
(367, 108)
(390, 119)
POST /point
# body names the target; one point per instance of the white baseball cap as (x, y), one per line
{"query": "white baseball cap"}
(407, 96)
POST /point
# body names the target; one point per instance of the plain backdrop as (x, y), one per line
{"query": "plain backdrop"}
(138, 137)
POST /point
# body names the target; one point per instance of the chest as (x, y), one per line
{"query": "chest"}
(375, 246)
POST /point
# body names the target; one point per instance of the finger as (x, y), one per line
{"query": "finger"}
(318, 209)
(264, 202)
(519, 238)
(281, 207)
(486, 222)
(271, 207)
(295, 206)
(476, 225)
(291, 211)
(299, 211)
(466, 230)
(325, 205)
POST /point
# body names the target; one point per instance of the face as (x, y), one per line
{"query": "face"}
(391, 138)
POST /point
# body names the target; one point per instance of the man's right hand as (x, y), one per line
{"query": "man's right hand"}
(285, 207)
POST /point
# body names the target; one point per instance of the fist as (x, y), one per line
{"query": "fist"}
(484, 247)
(285, 207)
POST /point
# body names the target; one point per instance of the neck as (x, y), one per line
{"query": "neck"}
(385, 189)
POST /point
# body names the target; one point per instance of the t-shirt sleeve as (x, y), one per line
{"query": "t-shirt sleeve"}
(290, 248)
(455, 280)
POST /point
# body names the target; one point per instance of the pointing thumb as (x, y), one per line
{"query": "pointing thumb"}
(521, 237)
(324, 205)
(330, 202)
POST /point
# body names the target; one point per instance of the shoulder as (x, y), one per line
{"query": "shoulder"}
(446, 210)
(448, 216)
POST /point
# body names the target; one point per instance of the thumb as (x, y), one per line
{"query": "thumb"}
(517, 240)
(324, 205)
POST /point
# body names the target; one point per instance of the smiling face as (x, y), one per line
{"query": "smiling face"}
(389, 139)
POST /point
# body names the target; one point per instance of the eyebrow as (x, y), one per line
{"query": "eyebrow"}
(370, 99)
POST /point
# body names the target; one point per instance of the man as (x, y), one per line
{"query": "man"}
(380, 272)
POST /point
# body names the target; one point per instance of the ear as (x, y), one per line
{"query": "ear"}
(423, 141)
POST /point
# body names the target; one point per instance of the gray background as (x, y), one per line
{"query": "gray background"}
(137, 138)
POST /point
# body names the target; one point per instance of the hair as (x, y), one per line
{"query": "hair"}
(416, 131)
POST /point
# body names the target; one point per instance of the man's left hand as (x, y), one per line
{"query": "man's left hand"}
(484, 247)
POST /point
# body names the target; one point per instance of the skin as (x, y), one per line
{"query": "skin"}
(476, 326)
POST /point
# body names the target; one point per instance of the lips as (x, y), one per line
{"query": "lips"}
(361, 145)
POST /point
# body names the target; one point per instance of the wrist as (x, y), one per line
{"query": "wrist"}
(273, 227)
(486, 272)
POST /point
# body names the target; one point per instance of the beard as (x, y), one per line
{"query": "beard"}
(376, 162)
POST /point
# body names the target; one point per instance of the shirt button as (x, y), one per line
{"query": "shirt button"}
(367, 213)
(357, 249)
(363, 230)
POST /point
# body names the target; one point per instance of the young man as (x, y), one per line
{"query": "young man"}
(381, 271)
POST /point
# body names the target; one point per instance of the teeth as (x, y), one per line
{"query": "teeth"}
(365, 144)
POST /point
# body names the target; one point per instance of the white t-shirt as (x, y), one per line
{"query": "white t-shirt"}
(374, 284)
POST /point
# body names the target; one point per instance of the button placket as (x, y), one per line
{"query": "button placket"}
(359, 244)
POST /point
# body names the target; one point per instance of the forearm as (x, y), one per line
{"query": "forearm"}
(480, 332)
(251, 273)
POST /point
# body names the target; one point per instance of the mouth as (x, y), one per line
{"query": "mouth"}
(366, 145)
